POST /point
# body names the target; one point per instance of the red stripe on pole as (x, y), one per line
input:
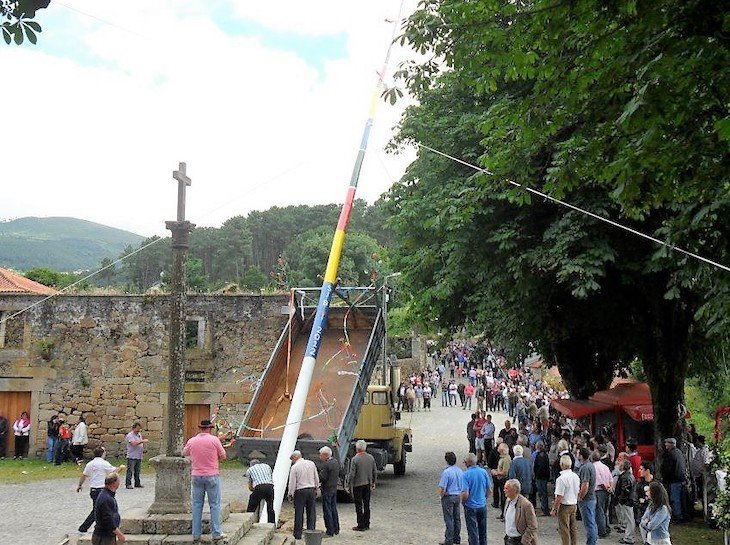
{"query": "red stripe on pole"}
(346, 209)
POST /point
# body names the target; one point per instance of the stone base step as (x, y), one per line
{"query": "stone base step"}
(260, 534)
(236, 527)
(138, 521)
(282, 539)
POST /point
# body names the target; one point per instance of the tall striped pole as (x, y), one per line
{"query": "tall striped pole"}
(296, 409)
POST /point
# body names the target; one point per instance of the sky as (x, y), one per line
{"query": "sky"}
(265, 101)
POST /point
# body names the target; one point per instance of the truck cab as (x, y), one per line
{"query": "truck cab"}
(387, 442)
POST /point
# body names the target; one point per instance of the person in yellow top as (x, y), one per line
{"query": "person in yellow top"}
(500, 475)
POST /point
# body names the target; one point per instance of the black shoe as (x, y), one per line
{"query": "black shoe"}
(138, 486)
(357, 529)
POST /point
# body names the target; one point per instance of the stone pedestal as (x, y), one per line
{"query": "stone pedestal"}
(172, 486)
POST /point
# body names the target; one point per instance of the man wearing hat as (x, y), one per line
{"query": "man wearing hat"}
(303, 488)
(261, 485)
(674, 475)
(204, 451)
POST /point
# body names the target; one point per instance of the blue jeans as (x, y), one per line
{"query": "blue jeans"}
(50, 448)
(675, 498)
(587, 510)
(329, 512)
(476, 524)
(210, 485)
(452, 519)
(602, 512)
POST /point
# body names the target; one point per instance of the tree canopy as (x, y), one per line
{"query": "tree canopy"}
(17, 20)
(617, 107)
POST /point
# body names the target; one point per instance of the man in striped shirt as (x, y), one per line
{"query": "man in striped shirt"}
(261, 485)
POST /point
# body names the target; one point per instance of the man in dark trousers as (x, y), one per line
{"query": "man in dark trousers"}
(329, 476)
(362, 482)
(261, 485)
(106, 514)
(674, 475)
(303, 490)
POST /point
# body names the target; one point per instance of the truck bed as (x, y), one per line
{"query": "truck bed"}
(337, 370)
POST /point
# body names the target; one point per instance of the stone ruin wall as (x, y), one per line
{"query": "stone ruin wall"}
(105, 357)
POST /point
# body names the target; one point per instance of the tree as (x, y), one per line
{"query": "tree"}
(55, 279)
(612, 108)
(145, 268)
(17, 20)
(254, 279)
(307, 258)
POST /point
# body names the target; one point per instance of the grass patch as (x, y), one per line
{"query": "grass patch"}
(695, 533)
(25, 471)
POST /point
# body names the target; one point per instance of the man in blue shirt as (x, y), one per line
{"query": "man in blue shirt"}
(450, 486)
(476, 485)
(521, 469)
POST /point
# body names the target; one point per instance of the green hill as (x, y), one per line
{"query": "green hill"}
(63, 244)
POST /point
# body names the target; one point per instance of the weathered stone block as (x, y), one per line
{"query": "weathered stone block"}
(149, 410)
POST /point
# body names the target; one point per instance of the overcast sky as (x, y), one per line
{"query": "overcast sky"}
(265, 100)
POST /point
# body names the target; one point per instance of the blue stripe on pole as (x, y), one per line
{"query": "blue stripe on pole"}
(320, 320)
(366, 134)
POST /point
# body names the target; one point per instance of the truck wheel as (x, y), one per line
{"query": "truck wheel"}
(399, 468)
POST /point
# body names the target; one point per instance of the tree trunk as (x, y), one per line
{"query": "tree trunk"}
(666, 360)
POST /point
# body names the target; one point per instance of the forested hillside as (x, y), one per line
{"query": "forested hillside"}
(64, 244)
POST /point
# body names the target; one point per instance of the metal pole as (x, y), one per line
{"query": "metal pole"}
(296, 409)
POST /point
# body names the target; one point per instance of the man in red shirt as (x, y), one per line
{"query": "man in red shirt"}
(634, 458)
(479, 441)
(204, 451)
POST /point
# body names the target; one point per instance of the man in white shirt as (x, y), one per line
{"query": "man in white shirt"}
(565, 506)
(520, 521)
(96, 471)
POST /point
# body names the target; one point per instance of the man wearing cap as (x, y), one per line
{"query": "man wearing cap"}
(303, 487)
(204, 451)
(261, 485)
(673, 474)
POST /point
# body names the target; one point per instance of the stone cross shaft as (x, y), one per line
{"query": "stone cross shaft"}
(182, 178)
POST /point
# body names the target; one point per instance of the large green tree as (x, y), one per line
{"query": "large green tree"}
(17, 22)
(617, 107)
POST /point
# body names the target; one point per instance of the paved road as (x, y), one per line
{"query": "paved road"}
(406, 510)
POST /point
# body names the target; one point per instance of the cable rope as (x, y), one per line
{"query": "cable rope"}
(582, 210)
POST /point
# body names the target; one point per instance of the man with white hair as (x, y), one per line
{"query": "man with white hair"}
(329, 476)
(521, 469)
(363, 472)
(303, 488)
(565, 506)
(520, 520)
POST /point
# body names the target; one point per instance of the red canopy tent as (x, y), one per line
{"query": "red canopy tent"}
(633, 398)
(578, 408)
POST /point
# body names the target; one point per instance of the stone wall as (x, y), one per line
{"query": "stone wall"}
(105, 357)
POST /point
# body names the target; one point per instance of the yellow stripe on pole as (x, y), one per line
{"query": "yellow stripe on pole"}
(338, 241)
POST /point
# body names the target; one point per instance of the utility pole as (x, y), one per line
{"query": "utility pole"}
(172, 488)
(386, 297)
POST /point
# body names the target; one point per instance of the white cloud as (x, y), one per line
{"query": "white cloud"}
(100, 141)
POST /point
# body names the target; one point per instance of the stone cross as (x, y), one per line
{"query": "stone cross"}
(172, 487)
(183, 181)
